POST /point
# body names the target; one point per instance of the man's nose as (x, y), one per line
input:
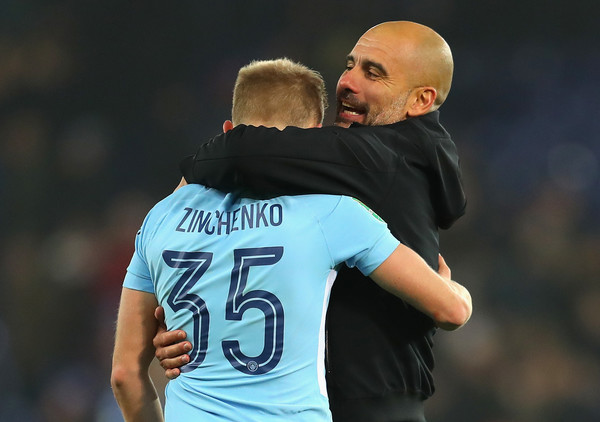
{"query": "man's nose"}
(349, 81)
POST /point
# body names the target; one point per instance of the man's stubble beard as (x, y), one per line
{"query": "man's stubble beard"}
(390, 114)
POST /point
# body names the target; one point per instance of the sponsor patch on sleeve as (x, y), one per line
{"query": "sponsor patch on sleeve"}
(373, 213)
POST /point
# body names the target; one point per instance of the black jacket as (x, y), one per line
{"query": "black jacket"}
(379, 348)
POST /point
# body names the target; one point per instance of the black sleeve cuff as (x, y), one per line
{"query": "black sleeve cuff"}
(187, 168)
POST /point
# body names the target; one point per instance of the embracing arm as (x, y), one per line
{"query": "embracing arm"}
(406, 275)
(260, 161)
(132, 356)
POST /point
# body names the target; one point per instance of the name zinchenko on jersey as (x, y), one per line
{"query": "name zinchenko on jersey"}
(251, 216)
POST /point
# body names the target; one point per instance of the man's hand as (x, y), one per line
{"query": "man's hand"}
(171, 347)
(181, 183)
(443, 268)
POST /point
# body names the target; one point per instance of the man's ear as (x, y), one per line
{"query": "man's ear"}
(227, 126)
(423, 99)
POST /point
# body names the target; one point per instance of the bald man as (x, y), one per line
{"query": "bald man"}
(407, 72)
(388, 149)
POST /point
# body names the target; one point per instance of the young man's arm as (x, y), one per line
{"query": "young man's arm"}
(133, 353)
(406, 275)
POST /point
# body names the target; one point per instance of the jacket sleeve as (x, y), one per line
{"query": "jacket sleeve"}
(448, 197)
(264, 162)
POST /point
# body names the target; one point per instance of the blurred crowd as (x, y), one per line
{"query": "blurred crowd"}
(99, 101)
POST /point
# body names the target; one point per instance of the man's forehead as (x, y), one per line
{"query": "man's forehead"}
(376, 52)
(381, 43)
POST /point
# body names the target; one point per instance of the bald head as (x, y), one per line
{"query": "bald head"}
(396, 70)
(425, 56)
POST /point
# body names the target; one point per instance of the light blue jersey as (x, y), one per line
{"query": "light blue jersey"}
(249, 281)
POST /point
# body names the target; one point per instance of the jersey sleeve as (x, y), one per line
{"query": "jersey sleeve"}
(268, 162)
(138, 274)
(357, 236)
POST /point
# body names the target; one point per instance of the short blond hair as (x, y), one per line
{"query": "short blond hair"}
(279, 92)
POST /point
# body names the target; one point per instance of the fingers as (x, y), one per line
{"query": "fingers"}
(172, 365)
(172, 373)
(171, 349)
(159, 314)
(166, 342)
(172, 358)
(443, 269)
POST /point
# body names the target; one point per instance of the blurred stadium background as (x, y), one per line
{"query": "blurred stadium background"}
(99, 100)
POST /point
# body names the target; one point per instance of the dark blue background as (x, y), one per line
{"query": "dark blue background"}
(100, 100)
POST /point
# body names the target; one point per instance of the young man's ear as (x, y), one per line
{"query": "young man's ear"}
(227, 126)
